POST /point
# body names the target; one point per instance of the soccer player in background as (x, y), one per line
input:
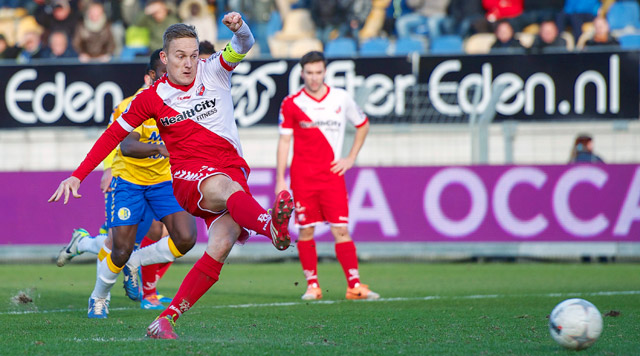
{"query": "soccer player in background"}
(140, 192)
(205, 49)
(193, 108)
(315, 118)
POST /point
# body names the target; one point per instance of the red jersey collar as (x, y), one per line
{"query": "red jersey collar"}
(178, 86)
(318, 100)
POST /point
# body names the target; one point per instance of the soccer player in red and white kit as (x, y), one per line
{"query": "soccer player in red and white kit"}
(315, 117)
(193, 108)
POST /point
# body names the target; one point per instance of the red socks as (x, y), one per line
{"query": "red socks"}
(248, 213)
(149, 278)
(195, 284)
(346, 254)
(309, 260)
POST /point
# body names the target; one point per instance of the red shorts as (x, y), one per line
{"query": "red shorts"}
(319, 203)
(186, 188)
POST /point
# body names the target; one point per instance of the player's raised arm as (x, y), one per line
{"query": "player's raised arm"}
(242, 39)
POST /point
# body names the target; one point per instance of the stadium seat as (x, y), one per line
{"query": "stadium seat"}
(374, 47)
(525, 39)
(301, 47)
(129, 53)
(275, 23)
(449, 44)
(630, 41)
(479, 43)
(407, 45)
(623, 14)
(571, 42)
(341, 47)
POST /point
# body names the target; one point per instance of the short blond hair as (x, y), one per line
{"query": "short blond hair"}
(178, 30)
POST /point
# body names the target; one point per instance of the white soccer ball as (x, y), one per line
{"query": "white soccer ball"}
(575, 324)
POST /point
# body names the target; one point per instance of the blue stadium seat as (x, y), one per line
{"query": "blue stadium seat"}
(374, 47)
(450, 44)
(623, 14)
(630, 41)
(408, 45)
(341, 47)
(129, 53)
(275, 23)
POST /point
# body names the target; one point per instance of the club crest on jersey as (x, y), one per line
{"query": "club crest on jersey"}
(193, 113)
(201, 90)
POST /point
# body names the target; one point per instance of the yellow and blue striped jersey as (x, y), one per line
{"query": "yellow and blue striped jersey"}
(142, 171)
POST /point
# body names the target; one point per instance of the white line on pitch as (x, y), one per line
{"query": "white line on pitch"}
(395, 299)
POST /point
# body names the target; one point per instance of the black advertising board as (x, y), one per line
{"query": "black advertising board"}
(546, 87)
(558, 87)
(65, 95)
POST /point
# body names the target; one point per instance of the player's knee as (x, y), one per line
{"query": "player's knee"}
(184, 240)
(120, 256)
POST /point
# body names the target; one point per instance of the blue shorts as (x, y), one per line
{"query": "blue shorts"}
(133, 204)
(143, 226)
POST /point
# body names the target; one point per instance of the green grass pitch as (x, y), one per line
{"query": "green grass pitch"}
(255, 309)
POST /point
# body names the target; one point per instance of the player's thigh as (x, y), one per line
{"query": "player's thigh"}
(217, 189)
(145, 224)
(307, 207)
(334, 203)
(161, 200)
(128, 206)
(180, 224)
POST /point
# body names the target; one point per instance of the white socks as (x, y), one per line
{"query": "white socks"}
(91, 244)
(159, 252)
(104, 281)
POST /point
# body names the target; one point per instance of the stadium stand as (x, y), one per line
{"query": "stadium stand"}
(341, 47)
(375, 47)
(624, 15)
(631, 41)
(407, 45)
(449, 44)
(479, 43)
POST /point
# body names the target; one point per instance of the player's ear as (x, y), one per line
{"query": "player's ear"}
(163, 57)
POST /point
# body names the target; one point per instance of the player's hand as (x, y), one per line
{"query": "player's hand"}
(232, 20)
(70, 184)
(105, 181)
(163, 150)
(341, 166)
(280, 186)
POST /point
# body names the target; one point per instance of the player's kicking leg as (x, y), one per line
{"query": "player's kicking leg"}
(246, 211)
(205, 272)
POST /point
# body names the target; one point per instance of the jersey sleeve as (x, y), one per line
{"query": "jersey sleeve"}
(218, 67)
(354, 113)
(285, 117)
(131, 117)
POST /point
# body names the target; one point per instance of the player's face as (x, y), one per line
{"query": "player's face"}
(313, 76)
(181, 60)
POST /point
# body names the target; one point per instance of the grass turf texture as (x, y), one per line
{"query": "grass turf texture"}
(434, 309)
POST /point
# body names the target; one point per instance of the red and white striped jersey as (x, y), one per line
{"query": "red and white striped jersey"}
(318, 128)
(195, 120)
